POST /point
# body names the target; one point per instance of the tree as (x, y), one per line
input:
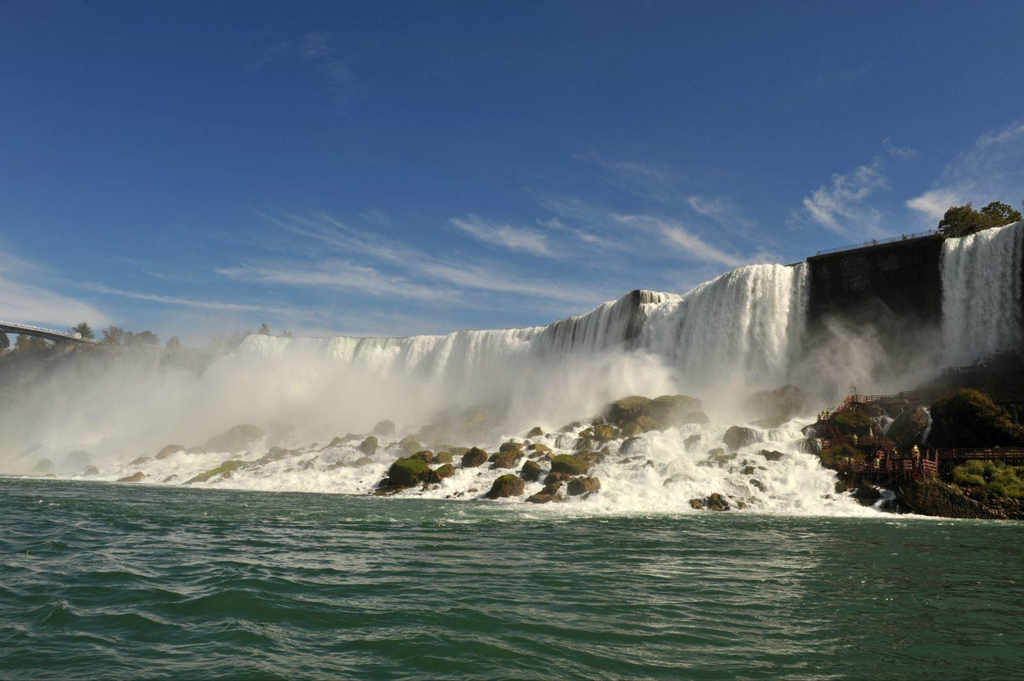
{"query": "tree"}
(264, 330)
(964, 220)
(29, 344)
(173, 343)
(5, 342)
(143, 338)
(84, 330)
(114, 335)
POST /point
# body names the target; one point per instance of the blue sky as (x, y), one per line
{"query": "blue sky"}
(399, 168)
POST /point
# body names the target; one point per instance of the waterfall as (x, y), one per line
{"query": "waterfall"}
(981, 294)
(746, 324)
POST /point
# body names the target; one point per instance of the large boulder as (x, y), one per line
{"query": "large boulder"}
(441, 472)
(227, 467)
(137, 477)
(407, 472)
(908, 428)
(385, 428)
(570, 465)
(969, 418)
(675, 410)
(508, 485)
(235, 439)
(474, 457)
(409, 445)
(780, 404)
(548, 494)
(91, 470)
(625, 410)
(169, 450)
(531, 471)
(426, 456)
(369, 446)
(443, 457)
(536, 431)
(738, 436)
(578, 486)
(854, 422)
(507, 459)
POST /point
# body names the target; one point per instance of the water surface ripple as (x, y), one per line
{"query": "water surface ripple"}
(113, 581)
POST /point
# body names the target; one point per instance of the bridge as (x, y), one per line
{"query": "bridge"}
(40, 332)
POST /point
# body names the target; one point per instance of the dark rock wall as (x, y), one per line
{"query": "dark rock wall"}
(903, 278)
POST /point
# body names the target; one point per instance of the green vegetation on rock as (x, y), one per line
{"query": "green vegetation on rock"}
(474, 457)
(508, 485)
(570, 465)
(965, 220)
(407, 472)
(984, 480)
(968, 418)
(841, 454)
(226, 467)
(853, 423)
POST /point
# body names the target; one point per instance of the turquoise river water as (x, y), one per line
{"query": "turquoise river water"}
(112, 581)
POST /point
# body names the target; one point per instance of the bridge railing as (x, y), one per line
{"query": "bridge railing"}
(878, 242)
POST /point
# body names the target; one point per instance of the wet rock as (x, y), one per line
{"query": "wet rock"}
(719, 457)
(511, 446)
(443, 457)
(137, 477)
(552, 478)
(531, 471)
(853, 423)
(548, 494)
(539, 447)
(691, 442)
(536, 432)
(440, 473)
(169, 450)
(507, 459)
(601, 433)
(749, 470)
(91, 470)
(385, 428)
(407, 472)
(275, 454)
(631, 429)
(235, 439)
(570, 427)
(230, 465)
(712, 502)
(578, 486)
(570, 465)
(335, 442)
(646, 423)
(409, 445)
(758, 484)
(738, 436)
(474, 457)
(781, 404)
(169, 478)
(630, 445)
(809, 445)
(362, 461)
(675, 410)
(508, 485)
(621, 412)
(138, 461)
(426, 456)
(583, 444)
(908, 428)
(369, 446)
(772, 455)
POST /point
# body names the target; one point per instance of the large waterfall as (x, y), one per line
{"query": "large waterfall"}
(981, 294)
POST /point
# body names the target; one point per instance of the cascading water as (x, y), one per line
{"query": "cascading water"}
(981, 294)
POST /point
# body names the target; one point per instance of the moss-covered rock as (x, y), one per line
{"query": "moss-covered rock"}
(675, 410)
(443, 457)
(856, 422)
(631, 429)
(969, 418)
(511, 446)
(169, 450)
(409, 445)
(531, 471)
(369, 446)
(137, 477)
(985, 480)
(570, 427)
(539, 447)
(738, 436)
(407, 472)
(840, 454)
(578, 486)
(508, 485)
(625, 410)
(474, 457)
(384, 428)
(570, 465)
(440, 473)
(908, 428)
(646, 423)
(234, 439)
(275, 454)
(507, 459)
(230, 465)
(426, 456)
(772, 455)
(602, 432)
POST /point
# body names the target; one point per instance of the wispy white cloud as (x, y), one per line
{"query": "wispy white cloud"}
(842, 206)
(194, 303)
(504, 235)
(684, 241)
(720, 209)
(271, 54)
(316, 48)
(336, 274)
(489, 279)
(992, 170)
(26, 297)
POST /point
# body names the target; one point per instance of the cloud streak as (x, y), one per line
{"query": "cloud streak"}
(504, 235)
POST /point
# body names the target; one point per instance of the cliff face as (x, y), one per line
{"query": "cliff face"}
(903, 278)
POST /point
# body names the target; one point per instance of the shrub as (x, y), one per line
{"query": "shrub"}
(991, 479)
(964, 220)
(968, 418)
